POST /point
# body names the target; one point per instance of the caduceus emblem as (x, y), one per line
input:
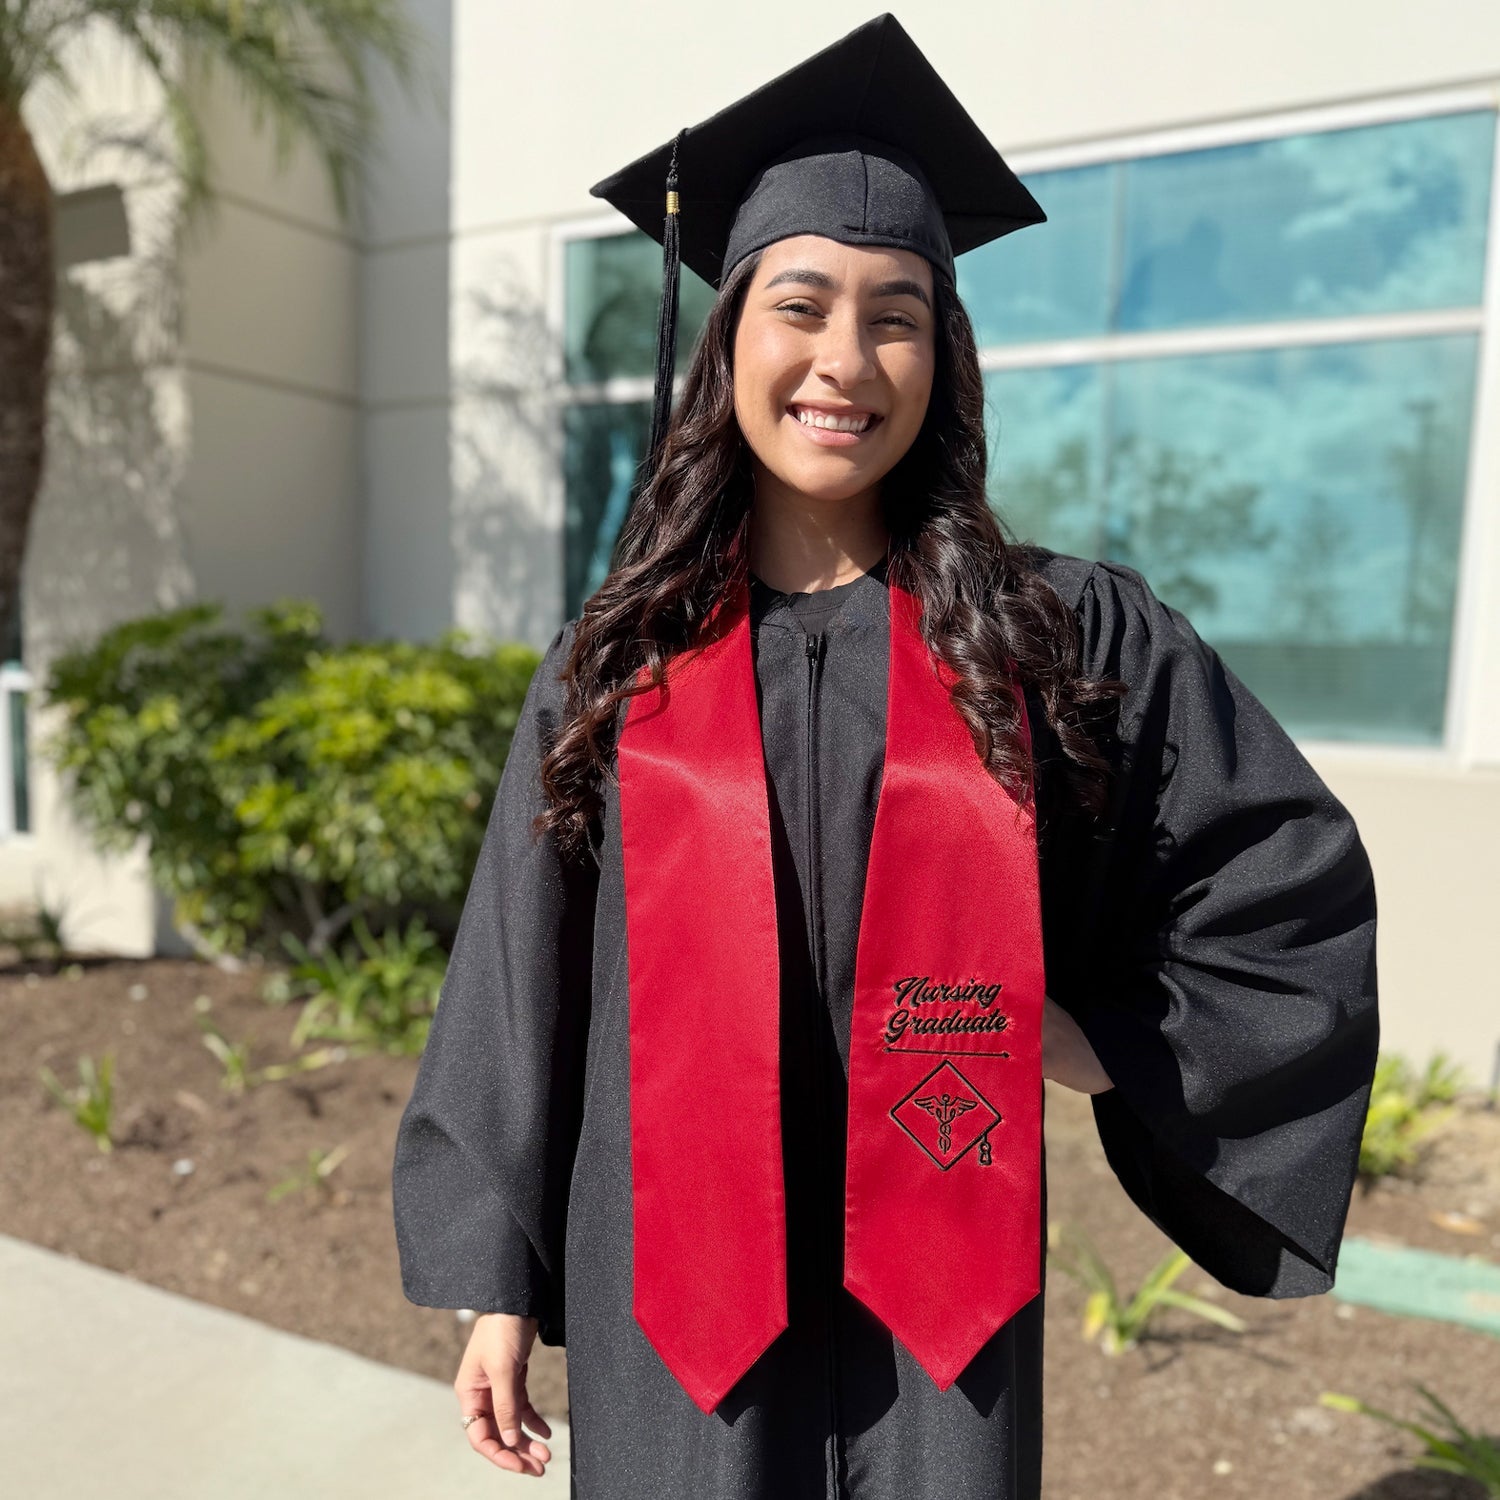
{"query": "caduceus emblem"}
(945, 1108)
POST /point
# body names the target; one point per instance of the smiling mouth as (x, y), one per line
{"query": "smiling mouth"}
(823, 421)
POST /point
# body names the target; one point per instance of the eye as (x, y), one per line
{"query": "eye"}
(900, 320)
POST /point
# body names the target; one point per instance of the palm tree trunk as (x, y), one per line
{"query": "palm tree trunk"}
(26, 299)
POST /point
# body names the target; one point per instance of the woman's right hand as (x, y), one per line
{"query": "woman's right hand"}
(492, 1380)
(1067, 1054)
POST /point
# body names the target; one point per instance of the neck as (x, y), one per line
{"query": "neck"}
(801, 544)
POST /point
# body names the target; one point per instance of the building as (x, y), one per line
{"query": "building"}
(1254, 352)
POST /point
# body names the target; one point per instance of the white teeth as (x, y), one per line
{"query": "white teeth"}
(825, 419)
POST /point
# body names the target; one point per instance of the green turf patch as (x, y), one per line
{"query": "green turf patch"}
(1420, 1283)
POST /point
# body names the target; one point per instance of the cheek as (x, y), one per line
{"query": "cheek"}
(757, 379)
(913, 380)
(765, 364)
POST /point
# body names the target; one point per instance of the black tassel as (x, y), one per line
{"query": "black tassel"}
(666, 323)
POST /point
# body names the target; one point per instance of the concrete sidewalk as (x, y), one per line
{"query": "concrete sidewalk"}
(110, 1387)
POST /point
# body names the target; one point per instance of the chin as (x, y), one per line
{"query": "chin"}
(819, 484)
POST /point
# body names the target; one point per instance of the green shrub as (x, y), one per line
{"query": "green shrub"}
(1404, 1110)
(287, 785)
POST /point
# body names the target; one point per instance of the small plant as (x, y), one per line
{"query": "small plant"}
(36, 935)
(91, 1104)
(1460, 1452)
(22, 934)
(235, 1059)
(1442, 1081)
(1404, 1111)
(378, 994)
(306, 1062)
(1123, 1324)
(311, 1178)
(49, 926)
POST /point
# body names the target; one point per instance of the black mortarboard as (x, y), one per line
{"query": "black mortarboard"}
(863, 142)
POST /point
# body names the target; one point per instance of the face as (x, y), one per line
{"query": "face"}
(827, 328)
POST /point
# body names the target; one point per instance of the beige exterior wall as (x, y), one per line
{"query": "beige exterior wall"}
(371, 420)
(1431, 834)
(410, 546)
(270, 349)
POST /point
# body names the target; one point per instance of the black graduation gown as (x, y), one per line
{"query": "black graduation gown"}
(1213, 935)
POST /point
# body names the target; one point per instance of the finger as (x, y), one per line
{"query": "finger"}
(529, 1414)
(536, 1421)
(483, 1435)
(510, 1406)
(483, 1440)
(476, 1395)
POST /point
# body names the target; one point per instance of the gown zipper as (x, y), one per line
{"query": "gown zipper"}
(815, 644)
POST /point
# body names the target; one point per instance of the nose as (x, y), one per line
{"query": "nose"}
(845, 351)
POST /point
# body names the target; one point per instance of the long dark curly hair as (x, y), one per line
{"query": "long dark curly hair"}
(986, 610)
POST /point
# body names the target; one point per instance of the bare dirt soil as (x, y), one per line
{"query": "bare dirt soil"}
(182, 1203)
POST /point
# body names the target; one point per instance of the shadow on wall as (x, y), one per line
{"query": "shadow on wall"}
(107, 542)
(506, 460)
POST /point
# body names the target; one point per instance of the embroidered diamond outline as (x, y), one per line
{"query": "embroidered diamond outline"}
(969, 1114)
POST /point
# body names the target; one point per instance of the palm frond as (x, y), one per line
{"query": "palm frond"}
(301, 68)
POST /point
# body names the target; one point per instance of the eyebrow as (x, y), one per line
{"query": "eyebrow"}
(900, 287)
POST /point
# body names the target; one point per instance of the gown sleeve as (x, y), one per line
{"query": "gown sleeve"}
(485, 1145)
(1233, 986)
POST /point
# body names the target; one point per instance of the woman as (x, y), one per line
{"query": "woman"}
(735, 1084)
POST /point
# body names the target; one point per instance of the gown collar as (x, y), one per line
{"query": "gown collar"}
(814, 609)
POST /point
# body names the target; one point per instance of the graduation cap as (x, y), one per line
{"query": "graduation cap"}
(863, 142)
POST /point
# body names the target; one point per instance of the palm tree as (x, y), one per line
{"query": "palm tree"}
(300, 65)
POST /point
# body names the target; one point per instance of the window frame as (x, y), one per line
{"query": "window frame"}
(15, 680)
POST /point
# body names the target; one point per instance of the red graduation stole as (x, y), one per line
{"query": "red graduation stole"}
(942, 1213)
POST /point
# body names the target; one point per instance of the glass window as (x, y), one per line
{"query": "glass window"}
(1381, 218)
(612, 303)
(19, 764)
(1302, 506)
(15, 681)
(1047, 281)
(613, 300)
(603, 446)
(1372, 219)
